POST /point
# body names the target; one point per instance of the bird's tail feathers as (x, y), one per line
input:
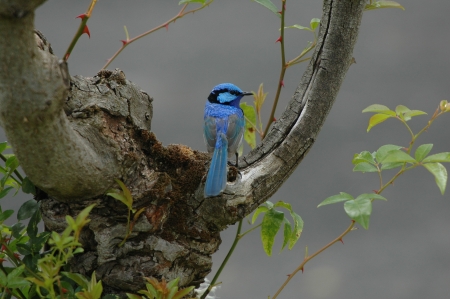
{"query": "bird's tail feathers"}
(216, 180)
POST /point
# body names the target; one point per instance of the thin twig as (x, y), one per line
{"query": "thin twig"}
(308, 258)
(180, 14)
(230, 252)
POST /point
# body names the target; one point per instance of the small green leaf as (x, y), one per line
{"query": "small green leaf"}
(314, 23)
(386, 166)
(440, 174)
(370, 196)
(286, 233)
(364, 156)
(342, 196)
(17, 282)
(3, 146)
(359, 210)
(297, 231)
(414, 113)
(27, 209)
(259, 210)
(32, 224)
(181, 293)
(28, 186)
(77, 278)
(383, 4)
(5, 215)
(270, 226)
(422, 151)
(383, 151)
(250, 123)
(376, 108)
(283, 204)
(5, 191)
(365, 167)
(400, 109)
(191, 1)
(269, 5)
(396, 156)
(133, 296)
(16, 229)
(296, 26)
(377, 119)
(441, 157)
(12, 163)
(24, 249)
(173, 283)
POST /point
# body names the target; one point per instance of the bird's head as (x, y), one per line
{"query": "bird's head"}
(227, 94)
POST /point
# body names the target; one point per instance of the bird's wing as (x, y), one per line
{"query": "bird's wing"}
(209, 133)
(234, 133)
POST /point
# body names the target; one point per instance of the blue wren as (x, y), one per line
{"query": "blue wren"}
(223, 130)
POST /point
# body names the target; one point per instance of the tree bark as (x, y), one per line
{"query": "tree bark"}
(73, 140)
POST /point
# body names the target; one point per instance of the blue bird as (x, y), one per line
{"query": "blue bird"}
(223, 130)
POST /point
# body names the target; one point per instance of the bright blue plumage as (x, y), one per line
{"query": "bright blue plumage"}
(223, 130)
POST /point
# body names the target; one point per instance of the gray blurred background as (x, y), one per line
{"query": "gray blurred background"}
(402, 58)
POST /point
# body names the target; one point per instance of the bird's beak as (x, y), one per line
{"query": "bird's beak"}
(245, 93)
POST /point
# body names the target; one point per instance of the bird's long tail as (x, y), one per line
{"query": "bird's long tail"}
(217, 174)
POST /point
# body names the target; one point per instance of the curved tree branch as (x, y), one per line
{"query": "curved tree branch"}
(272, 162)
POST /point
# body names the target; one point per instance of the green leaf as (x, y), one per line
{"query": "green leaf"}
(270, 226)
(181, 293)
(386, 166)
(16, 229)
(296, 26)
(441, 157)
(283, 204)
(24, 249)
(191, 1)
(5, 191)
(440, 174)
(396, 156)
(314, 23)
(32, 224)
(133, 296)
(376, 108)
(400, 109)
(370, 196)
(269, 5)
(250, 123)
(77, 278)
(422, 151)
(364, 156)
(5, 215)
(414, 113)
(287, 232)
(297, 231)
(259, 210)
(384, 150)
(173, 283)
(3, 146)
(342, 196)
(377, 119)
(359, 210)
(28, 186)
(27, 209)
(365, 167)
(12, 163)
(17, 282)
(383, 4)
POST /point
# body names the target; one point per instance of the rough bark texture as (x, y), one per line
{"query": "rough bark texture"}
(98, 129)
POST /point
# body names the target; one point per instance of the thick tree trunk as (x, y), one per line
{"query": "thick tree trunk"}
(98, 129)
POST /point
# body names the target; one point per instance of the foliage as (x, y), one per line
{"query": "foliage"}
(391, 156)
(161, 290)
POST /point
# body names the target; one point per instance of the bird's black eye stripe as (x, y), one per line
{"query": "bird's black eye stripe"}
(212, 98)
